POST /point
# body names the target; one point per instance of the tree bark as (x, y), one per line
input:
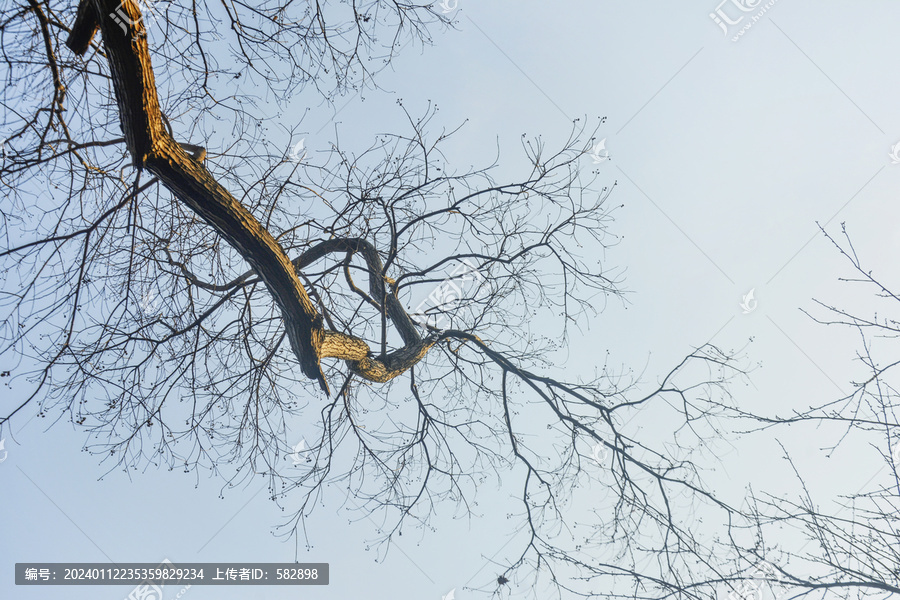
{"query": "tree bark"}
(379, 370)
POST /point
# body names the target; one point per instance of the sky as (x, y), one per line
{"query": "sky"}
(727, 152)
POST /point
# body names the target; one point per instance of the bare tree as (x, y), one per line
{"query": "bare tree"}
(189, 319)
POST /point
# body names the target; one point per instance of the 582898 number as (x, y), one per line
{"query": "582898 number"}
(296, 573)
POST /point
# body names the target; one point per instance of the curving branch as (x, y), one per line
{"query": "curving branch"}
(152, 146)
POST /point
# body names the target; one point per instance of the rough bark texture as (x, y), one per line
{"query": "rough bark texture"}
(152, 147)
(356, 352)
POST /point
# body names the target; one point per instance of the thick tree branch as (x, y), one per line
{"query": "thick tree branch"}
(382, 369)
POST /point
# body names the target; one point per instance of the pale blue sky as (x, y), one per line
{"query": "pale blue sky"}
(726, 154)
